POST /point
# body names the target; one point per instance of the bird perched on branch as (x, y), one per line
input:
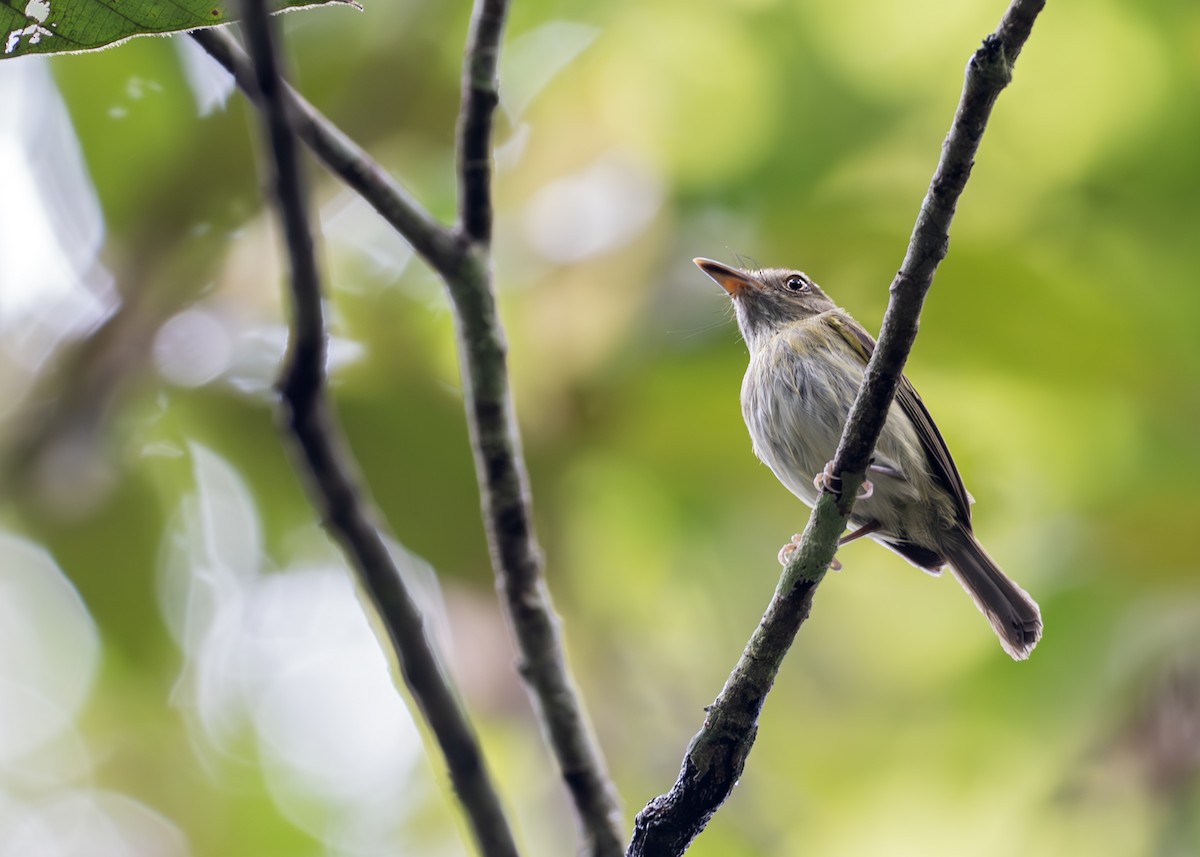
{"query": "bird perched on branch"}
(807, 359)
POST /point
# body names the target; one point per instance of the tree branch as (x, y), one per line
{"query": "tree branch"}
(500, 463)
(480, 95)
(717, 754)
(343, 157)
(462, 258)
(333, 482)
(988, 72)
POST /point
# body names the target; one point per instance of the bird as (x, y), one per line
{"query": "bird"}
(807, 360)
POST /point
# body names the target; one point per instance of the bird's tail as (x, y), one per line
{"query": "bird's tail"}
(1015, 616)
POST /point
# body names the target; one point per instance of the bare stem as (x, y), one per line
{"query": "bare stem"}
(343, 157)
(500, 463)
(333, 481)
(480, 95)
(717, 754)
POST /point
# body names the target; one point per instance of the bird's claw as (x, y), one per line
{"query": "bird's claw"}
(828, 482)
(785, 553)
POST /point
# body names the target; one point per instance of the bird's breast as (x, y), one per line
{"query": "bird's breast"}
(795, 398)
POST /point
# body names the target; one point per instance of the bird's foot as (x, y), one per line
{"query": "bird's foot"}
(785, 553)
(829, 483)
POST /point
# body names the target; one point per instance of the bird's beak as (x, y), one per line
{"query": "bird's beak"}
(730, 279)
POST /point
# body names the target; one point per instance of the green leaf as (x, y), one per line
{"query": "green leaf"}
(71, 26)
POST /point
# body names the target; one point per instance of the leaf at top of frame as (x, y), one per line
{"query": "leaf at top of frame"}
(71, 26)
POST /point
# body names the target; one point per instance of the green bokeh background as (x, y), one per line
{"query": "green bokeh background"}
(1059, 353)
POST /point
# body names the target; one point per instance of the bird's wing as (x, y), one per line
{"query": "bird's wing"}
(941, 465)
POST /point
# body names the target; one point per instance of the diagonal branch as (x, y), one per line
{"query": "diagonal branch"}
(342, 157)
(333, 482)
(988, 72)
(717, 754)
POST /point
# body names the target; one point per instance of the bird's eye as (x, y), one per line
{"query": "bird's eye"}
(796, 283)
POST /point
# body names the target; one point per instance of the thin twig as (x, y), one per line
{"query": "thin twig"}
(500, 463)
(335, 486)
(344, 158)
(717, 754)
(480, 95)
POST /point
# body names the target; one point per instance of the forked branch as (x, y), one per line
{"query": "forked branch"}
(462, 257)
(334, 484)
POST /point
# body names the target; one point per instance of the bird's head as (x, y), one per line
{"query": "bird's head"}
(768, 299)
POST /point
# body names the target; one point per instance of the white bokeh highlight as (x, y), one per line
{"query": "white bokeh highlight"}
(594, 211)
(284, 670)
(49, 651)
(193, 348)
(49, 659)
(210, 83)
(90, 823)
(52, 285)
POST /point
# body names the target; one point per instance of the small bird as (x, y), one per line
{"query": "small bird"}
(807, 359)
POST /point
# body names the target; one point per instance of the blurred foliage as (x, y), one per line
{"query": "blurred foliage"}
(1059, 354)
